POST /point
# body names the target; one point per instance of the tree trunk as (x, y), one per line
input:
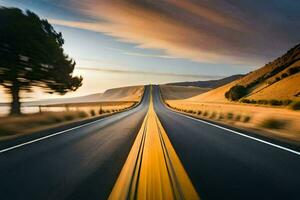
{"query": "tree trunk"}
(15, 107)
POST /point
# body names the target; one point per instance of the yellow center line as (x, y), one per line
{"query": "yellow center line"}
(153, 170)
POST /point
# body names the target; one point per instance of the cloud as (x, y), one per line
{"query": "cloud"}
(214, 31)
(129, 53)
(148, 55)
(202, 77)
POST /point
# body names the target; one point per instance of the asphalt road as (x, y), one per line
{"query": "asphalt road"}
(226, 166)
(82, 163)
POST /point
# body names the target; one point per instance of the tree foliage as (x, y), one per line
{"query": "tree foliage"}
(32, 55)
(236, 92)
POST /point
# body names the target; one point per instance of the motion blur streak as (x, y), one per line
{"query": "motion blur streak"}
(153, 169)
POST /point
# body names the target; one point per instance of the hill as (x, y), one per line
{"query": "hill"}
(279, 80)
(173, 92)
(210, 83)
(131, 93)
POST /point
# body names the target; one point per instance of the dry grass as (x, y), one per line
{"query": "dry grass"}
(286, 88)
(215, 95)
(280, 123)
(25, 124)
(131, 93)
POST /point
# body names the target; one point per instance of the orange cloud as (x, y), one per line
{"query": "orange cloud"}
(208, 14)
(181, 28)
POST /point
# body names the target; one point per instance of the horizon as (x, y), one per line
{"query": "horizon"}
(123, 48)
(149, 99)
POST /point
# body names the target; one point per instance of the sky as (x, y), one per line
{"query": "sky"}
(133, 42)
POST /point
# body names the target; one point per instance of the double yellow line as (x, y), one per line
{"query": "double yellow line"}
(153, 170)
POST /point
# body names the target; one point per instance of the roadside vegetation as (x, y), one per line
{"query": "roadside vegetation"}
(279, 123)
(236, 92)
(272, 102)
(279, 69)
(29, 123)
(272, 123)
(215, 115)
(295, 106)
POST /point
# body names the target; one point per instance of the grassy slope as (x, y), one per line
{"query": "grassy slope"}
(132, 93)
(269, 88)
(215, 95)
(287, 88)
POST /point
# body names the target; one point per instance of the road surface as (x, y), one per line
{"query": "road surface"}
(79, 164)
(224, 165)
(84, 163)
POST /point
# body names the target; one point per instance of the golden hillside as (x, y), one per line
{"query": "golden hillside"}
(279, 80)
(131, 93)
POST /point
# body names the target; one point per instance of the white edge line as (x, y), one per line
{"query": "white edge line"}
(48, 136)
(241, 134)
(58, 133)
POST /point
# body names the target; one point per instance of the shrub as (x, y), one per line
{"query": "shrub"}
(278, 79)
(46, 121)
(92, 112)
(69, 117)
(274, 124)
(230, 116)
(221, 116)
(275, 102)
(213, 115)
(246, 101)
(55, 119)
(205, 113)
(253, 101)
(82, 114)
(246, 119)
(287, 102)
(236, 92)
(6, 131)
(238, 118)
(199, 112)
(261, 101)
(294, 70)
(284, 75)
(295, 105)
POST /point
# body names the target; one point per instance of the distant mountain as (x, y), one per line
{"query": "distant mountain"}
(131, 93)
(211, 83)
(174, 92)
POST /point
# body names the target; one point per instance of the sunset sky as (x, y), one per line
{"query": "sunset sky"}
(130, 42)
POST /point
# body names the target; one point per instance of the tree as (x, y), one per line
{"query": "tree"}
(236, 92)
(32, 55)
